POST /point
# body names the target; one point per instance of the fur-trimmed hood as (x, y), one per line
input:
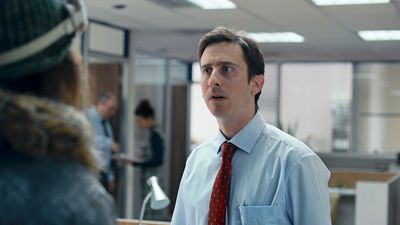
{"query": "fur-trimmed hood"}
(39, 127)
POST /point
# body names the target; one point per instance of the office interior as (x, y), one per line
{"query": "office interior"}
(336, 92)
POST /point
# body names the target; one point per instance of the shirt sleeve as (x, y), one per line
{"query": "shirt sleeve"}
(308, 193)
(179, 215)
(102, 142)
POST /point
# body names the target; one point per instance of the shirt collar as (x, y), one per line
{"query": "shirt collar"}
(96, 113)
(246, 138)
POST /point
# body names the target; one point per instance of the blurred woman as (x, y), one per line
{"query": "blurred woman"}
(144, 118)
(152, 153)
(47, 171)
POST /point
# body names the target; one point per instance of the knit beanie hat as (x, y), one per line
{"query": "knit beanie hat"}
(23, 21)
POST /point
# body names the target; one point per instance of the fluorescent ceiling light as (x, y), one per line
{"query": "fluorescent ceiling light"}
(214, 4)
(379, 35)
(349, 2)
(276, 37)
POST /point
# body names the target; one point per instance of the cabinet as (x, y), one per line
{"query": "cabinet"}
(365, 198)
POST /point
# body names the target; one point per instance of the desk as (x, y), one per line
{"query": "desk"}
(369, 198)
(121, 221)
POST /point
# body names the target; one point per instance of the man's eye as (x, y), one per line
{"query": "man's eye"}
(227, 69)
(207, 70)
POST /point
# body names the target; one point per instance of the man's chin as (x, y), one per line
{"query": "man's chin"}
(218, 113)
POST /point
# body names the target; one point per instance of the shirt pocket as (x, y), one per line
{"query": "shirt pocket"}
(258, 215)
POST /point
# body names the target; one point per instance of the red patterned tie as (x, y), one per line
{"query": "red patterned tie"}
(220, 192)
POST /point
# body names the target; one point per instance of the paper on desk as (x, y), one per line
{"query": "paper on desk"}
(122, 156)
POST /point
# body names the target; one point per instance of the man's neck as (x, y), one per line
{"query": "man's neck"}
(230, 127)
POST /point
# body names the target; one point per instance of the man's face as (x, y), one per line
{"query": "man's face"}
(110, 107)
(227, 91)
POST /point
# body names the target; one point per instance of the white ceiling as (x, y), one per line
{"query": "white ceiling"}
(330, 31)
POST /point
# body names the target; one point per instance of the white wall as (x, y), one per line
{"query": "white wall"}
(268, 101)
(308, 93)
(106, 39)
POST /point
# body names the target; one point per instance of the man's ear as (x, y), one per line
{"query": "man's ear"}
(257, 83)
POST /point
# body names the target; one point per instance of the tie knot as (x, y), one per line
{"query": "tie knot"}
(227, 150)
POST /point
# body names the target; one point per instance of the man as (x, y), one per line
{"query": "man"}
(251, 172)
(105, 107)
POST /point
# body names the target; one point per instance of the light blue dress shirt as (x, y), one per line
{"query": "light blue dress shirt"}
(102, 143)
(276, 179)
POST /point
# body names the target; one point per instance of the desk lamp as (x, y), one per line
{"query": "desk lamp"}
(159, 199)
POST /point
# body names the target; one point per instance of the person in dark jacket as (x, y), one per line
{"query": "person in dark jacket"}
(152, 153)
(144, 118)
(47, 169)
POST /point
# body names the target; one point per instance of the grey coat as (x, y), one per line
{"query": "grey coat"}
(47, 172)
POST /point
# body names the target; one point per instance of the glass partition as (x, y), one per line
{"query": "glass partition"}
(376, 107)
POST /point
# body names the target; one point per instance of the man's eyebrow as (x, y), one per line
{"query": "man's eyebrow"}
(219, 64)
(205, 66)
(226, 63)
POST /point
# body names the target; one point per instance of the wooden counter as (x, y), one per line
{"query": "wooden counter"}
(136, 222)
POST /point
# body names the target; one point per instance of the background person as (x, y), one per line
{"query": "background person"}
(47, 172)
(152, 153)
(98, 115)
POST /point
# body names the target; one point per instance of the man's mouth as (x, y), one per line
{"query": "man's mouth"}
(217, 97)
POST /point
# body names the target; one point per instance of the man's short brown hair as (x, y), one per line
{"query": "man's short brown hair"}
(251, 51)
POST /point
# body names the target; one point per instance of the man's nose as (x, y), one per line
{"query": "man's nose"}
(214, 80)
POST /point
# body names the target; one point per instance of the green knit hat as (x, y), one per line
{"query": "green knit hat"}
(24, 21)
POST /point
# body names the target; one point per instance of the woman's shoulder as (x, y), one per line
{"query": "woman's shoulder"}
(40, 188)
